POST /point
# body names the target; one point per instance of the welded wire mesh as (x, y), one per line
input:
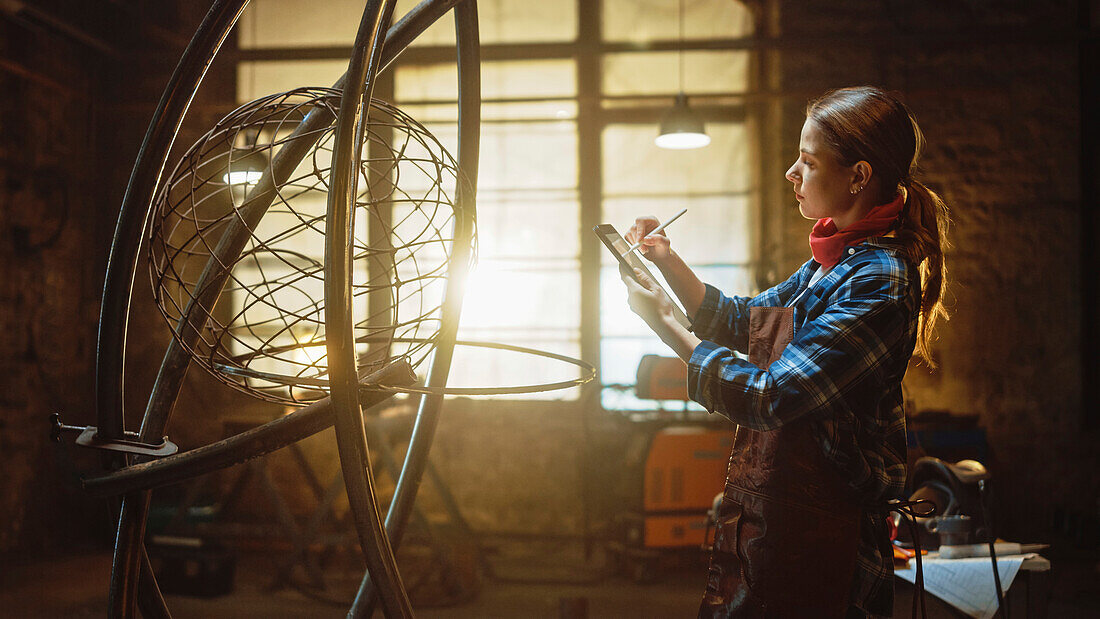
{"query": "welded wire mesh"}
(265, 333)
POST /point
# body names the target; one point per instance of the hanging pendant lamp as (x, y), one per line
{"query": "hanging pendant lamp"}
(247, 169)
(680, 127)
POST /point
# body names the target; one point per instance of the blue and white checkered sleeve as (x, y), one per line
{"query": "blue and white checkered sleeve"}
(722, 319)
(833, 361)
(725, 320)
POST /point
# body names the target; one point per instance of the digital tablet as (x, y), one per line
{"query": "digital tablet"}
(617, 245)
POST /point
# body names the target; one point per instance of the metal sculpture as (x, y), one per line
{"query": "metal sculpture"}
(206, 224)
(268, 339)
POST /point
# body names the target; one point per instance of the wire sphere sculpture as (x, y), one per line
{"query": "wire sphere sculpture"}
(264, 334)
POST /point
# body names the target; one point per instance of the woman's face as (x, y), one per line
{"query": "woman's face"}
(822, 186)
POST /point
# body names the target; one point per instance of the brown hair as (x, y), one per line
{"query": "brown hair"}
(865, 123)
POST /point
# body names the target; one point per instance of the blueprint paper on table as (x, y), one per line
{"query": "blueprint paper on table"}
(966, 584)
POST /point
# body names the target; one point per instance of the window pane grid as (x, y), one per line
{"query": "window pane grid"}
(641, 21)
(713, 237)
(282, 24)
(526, 287)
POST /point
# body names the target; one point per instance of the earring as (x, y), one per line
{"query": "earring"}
(856, 190)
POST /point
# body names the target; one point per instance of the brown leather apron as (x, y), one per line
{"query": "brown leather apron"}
(788, 525)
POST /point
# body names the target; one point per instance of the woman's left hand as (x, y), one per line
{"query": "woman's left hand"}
(647, 299)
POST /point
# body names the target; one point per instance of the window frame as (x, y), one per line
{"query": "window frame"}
(595, 112)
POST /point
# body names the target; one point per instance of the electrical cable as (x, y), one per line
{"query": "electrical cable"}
(992, 552)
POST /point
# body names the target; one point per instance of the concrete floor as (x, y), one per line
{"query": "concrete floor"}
(76, 587)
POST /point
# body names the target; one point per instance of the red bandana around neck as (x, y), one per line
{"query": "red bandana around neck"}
(827, 243)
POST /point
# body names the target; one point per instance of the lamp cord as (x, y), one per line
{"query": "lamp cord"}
(680, 49)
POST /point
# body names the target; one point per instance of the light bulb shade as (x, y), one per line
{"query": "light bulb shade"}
(246, 170)
(681, 128)
(242, 177)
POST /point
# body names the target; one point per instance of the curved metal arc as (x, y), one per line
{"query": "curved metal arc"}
(150, 601)
(589, 370)
(339, 327)
(427, 417)
(402, 33)
(129, 552)
(151, 160)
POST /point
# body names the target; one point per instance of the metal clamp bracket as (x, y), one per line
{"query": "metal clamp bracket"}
(87, 437)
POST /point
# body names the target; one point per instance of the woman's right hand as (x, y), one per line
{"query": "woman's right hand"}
(655, 248)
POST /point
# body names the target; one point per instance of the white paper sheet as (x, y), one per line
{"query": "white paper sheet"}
(966, 584)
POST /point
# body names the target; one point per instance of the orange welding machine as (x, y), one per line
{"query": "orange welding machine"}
(684, 466)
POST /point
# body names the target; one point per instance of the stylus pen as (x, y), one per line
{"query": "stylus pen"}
(655, 231)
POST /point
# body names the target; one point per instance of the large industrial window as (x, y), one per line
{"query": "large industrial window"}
(714, 182)
(527, 288)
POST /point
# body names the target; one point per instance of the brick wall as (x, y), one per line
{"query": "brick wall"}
(995, 87)
(80, 81)
(50, 247)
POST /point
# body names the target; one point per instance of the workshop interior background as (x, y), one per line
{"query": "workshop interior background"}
(1005, 91)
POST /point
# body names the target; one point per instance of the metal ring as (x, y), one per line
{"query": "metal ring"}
(589, 372)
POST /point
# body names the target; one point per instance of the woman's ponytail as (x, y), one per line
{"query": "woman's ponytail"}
(864, 123)
(923, 232)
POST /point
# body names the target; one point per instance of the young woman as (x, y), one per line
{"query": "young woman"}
(820, 441)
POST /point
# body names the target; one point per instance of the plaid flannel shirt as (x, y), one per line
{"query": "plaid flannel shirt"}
(854, 333)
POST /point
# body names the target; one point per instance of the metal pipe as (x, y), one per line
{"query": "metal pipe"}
(469, 77)
(351, 438)
(427, 418)
(114, 311)
(149, 600)
(144, 179)
(176, 360)
(125, 561)
(245, 446)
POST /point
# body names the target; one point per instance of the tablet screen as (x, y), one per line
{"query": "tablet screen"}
(617, 245)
